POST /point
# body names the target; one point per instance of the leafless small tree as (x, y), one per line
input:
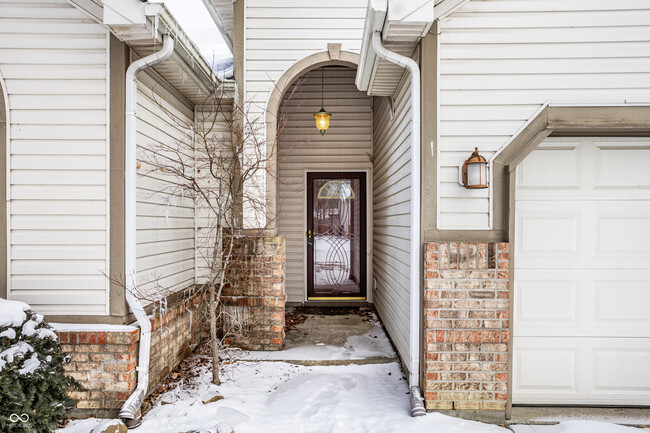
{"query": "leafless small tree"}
(223, 165)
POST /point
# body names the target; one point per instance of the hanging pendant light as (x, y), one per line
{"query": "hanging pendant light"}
(322, 117)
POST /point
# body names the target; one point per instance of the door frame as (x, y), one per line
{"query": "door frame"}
(369, 230)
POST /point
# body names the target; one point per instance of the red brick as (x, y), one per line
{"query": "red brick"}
(431, 246)
(92, 337)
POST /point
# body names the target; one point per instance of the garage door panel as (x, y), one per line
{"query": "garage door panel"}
(545, 368)
(581, 323)
(624, 305)
(620, 369)
(599, 371)
(583, 234)
(581, 303)
(547, 303)
(545, 234)
(623, 233)
(622, 164)
(561, 158)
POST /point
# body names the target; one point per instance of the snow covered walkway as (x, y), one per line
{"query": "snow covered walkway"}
(269, 397)
(280, 397)
(285, 392)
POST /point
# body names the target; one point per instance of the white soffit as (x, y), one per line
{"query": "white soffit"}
(402, 23)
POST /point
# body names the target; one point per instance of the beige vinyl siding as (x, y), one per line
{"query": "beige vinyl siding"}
(164, 219)
(347, 146)
(391, 216)
(54, 62)
(500, 60)
(280, 33)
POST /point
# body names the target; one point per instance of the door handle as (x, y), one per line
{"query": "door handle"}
(310, 238)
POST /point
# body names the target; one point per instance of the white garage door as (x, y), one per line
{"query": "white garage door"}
(582, 273)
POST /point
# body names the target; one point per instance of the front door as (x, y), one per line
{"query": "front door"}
(336, 236)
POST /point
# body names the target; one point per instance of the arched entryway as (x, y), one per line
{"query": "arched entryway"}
(298, 69)
(335, 266)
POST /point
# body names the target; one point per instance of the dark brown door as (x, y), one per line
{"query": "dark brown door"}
(336, 236)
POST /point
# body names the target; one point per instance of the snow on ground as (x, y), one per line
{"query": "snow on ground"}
(372, 344)
(278, 397)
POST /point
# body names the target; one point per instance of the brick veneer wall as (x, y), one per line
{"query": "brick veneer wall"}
(104, 361)
(466, 325)
(253, 303)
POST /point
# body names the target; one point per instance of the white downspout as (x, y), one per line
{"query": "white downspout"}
(417, 406)
(130, 410)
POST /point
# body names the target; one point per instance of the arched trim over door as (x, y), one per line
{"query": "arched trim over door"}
(314, 61)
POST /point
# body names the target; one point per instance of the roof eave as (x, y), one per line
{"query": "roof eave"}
(142, 26)
(221, 23)
(402, 24)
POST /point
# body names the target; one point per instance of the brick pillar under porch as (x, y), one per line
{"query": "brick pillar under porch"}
(467, 334)
(253, 301)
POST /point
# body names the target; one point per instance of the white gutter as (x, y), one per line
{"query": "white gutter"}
(130, 411)
(417, 407)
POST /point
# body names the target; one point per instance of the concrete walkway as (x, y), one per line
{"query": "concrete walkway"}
(529, 419)
(332, 337)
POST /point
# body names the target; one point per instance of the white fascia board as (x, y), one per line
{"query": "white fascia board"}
(375, 17)
(410, 11)
(447, 7)
(125, 12)
(90, 8)
(408, 20)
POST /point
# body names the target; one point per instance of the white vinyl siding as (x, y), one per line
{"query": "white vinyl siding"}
(211, 132)
(347, 146)
(165, 221)
(391, 216)
(54, 62)
(280, 33)
(500, 60)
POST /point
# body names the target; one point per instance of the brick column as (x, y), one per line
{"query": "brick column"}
(466, 325)
(253, 301)
(104, 361)
(104, 364)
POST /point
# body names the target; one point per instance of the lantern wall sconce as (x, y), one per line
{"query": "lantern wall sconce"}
(322, 117)
(473, 173)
